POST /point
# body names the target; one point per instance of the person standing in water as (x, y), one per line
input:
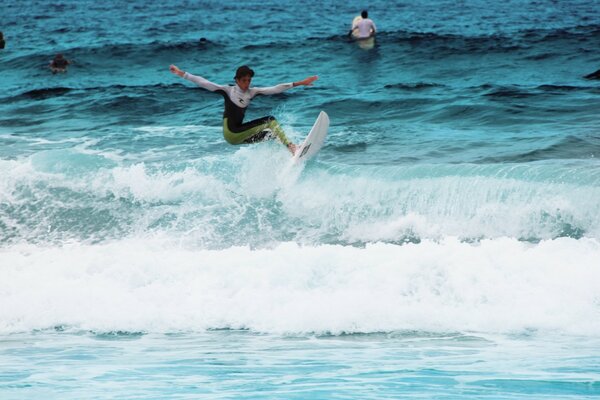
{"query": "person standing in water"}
(364, 28)
(237, 98)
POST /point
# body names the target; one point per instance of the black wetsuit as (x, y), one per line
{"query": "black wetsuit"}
(235, 130)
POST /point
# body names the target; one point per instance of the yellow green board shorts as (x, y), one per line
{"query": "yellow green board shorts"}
(254, 131)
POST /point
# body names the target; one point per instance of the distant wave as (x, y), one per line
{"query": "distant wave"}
(487, 90)
(570, 147)
(442, 44)
(510, 92)
(463, 43)
(581, 32)
(40, 94)
(130, 51)
(272, 45)
(438, 44)
(593, 75)
(413, 86)
(51, 92)
(524, 92)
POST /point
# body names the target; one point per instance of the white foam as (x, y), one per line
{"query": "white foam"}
(263, 170)
(374, 208)
(155, 285)
(316, 204)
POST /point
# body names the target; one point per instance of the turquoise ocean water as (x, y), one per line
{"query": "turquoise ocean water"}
(444, 244)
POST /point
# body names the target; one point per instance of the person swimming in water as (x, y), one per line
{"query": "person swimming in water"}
(237, 98)
(59, 64)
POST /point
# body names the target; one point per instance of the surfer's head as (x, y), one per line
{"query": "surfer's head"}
(364, 14)
(243, 76)
(242, 71)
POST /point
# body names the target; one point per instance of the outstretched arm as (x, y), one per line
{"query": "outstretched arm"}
(198, 80)
(283, 86)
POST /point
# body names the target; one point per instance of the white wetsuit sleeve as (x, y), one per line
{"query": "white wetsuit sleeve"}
(202, 82)
(272, 89)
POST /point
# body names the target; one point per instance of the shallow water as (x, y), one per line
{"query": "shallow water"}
(241, 364)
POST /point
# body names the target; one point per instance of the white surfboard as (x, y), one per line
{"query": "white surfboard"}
(314, 141)
(355, 21)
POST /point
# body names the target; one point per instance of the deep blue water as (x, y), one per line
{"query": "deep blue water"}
(444, 243)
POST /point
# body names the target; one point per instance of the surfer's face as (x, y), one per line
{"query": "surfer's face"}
(244, 82)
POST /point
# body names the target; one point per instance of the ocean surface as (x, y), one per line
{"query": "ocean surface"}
(444, 243)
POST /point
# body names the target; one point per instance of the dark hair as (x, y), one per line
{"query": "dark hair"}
(242, 71)
(364, 14)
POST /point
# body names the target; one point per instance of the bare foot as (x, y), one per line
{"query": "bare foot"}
(292, 147)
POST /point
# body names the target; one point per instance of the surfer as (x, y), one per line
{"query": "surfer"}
(237, 98)
(364, 27)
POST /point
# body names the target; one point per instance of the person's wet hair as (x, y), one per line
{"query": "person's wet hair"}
(242, 71)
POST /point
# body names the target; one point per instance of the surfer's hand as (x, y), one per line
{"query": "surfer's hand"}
(176, 70)
(307, 82)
